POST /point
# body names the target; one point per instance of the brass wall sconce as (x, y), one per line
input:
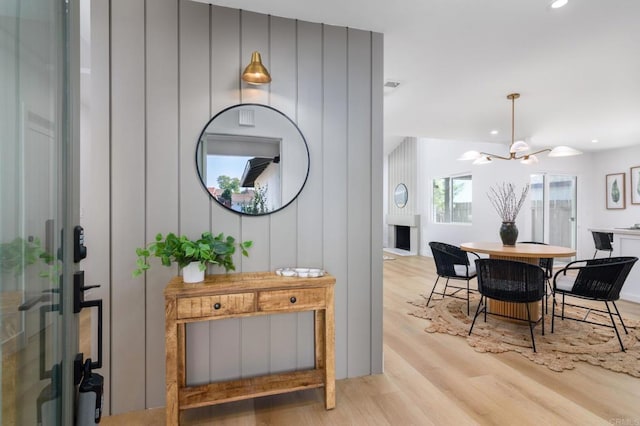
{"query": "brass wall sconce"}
(255, 72)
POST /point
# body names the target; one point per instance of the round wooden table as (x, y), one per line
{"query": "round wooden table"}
(521, 252)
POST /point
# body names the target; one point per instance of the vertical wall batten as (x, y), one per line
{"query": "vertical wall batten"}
(127, 183)
(109, 384)
(310, 220)
(179, 50)
(194, 107)
(161, 200)
(334, 163)
(359, 201)
(403, 169)
(225, 91)
(377, 185)
(146, 194)
(175, 63)
(347, 206)
(95, 204)
(255, 331)
(283, 224)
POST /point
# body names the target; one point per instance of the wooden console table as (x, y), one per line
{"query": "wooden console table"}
(243, 295)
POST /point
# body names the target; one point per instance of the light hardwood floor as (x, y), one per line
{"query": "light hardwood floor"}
(436, 379)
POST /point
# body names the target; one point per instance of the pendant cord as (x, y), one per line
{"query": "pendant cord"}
(513, 119)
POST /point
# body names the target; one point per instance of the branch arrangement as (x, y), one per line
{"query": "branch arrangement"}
(504, 200)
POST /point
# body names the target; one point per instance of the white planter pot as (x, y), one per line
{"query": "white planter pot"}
(192, 273)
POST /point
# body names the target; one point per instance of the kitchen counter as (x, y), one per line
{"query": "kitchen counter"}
(621, 231)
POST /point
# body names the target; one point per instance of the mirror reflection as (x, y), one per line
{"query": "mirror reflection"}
(401, 195)
(252, 159)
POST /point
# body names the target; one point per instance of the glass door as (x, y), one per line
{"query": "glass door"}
(37, 335)
(553, 210)
(536, 194)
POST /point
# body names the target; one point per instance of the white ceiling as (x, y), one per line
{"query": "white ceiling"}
(577, 68)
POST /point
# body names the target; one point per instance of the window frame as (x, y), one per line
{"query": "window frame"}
(449, 195)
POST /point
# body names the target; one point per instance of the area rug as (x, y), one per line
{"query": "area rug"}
(571, 342)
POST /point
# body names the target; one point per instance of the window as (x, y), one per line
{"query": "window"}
(452, 199)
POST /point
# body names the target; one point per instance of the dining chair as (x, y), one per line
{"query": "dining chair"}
(596, 280)
(452, 263)
(510, 281)
(602, 241)
(545, 263)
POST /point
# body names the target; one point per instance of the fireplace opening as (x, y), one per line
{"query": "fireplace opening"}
(403, 238)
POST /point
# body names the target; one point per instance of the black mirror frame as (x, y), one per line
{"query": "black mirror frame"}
(304, 140)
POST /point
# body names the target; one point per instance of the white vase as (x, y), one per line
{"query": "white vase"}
(192, 273)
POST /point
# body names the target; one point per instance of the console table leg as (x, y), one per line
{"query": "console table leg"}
(329, 353)
(181, 361)
(320, 326)
(171, 348)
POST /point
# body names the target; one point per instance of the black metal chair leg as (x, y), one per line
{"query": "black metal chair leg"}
(432, 290)
(620, 317)
(468, 303)
(533, 341)
(553, 312)
(549, 288)
(614, 326)
(486, 306)
(563, 306)
(542, 322)
(546, 296)
(476, 315)
(444, 293)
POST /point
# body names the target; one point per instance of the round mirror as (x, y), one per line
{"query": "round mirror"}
(401, 195)
(252, 159)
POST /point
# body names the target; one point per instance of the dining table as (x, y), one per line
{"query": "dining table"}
(520, 252)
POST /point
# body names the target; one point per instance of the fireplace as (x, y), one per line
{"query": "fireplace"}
(403, 237)
(404, 234)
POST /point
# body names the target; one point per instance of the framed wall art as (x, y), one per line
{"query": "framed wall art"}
(615, 191)
(634, 181)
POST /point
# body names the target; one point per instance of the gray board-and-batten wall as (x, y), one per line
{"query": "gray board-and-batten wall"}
(159, 70)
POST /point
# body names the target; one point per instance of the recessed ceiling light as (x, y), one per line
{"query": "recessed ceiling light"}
(594, 141)
(494, 132)
(556, 4)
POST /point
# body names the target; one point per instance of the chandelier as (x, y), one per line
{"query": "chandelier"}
(518, 150)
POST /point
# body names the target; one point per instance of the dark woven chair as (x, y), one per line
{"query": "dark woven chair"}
(594, 279)
(603, 241)
(510, 281)
(452, 263)
(545, 263)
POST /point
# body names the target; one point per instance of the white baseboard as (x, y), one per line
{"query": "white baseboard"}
(630, 297)
(399, 252)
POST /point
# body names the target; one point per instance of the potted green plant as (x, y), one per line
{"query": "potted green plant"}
(191, 255)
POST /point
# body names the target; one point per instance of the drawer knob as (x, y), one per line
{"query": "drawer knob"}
(293, 299)
(217, 306)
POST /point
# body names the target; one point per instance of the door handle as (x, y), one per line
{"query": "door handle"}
(79, 303)
(30, 303)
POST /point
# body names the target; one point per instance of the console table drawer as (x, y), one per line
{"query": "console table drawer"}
(291, 299)
(224, 304)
